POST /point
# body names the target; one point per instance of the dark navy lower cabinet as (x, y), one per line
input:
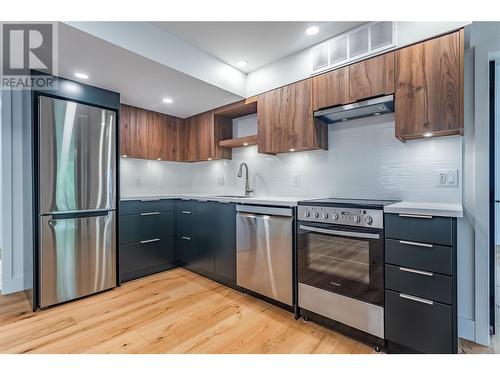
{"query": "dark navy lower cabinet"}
(147, 238)
(420, 284)
(206, 239)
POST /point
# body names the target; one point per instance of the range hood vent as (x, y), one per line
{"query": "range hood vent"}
(366, 108)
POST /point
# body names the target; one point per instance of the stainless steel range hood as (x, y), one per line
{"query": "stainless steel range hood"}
(365, 108)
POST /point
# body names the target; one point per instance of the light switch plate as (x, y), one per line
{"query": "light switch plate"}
(447, 177)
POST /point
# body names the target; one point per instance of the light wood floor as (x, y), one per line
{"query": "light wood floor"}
(171, 312)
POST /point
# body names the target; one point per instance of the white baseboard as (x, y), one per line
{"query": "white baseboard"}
(466, 329)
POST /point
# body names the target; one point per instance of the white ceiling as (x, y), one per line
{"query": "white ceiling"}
(140, 81)
(259, 43)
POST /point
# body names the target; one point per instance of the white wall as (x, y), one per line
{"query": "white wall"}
(364, 160)
(298, 66)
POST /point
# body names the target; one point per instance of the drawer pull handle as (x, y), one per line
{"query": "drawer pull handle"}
(416, 216)
(149, 213)
(416, 299)
(425, 273)
(150, 200)
(429, 245)
(153, 240)
(186, 212)
(186, 238)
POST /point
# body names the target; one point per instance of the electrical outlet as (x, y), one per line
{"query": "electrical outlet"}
(296, 180)
(447, 177)
(220, 180)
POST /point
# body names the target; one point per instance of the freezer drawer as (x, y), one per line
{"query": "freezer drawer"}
(264, 255)
(77, 257)
(77, 165)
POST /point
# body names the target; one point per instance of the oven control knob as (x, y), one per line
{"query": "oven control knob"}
(335, 216)
(307, 214)
(356, 218)
(316, 215)
(369, 220)
(325, 216)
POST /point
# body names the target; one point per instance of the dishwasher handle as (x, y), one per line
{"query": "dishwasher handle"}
(264, 210)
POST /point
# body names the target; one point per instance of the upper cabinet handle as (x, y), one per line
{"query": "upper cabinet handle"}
(429, 245)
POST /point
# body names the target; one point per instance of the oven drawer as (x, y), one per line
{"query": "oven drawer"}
(419, 283)
(424, 326)
(426, 229)
(422, 256)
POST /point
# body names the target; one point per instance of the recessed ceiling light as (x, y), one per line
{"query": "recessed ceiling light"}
(81, 75)
(312, 30)
(241, 63)
(167, 100)
(428, 135)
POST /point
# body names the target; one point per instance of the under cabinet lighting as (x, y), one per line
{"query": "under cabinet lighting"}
(81, 75)
(209, 158)
(312, 30)
(125, 156)
(158, 159)
(245, 144)
(427, 135)
(292, 150)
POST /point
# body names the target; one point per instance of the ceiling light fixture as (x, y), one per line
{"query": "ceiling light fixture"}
(312, 30)
(427, 135)
(241, 63)
(167, 100)
(81, 75)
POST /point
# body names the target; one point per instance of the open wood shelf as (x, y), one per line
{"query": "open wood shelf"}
(249, 140)
(237, 109)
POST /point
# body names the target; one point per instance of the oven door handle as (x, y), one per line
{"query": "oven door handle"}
(340, 232)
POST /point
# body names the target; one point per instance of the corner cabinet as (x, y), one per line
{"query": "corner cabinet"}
(286, 122)
(429, 88)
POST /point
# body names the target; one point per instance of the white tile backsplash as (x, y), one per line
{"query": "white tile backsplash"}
(364, 160)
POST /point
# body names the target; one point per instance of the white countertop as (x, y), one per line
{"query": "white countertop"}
(425, 208)
(264, 200)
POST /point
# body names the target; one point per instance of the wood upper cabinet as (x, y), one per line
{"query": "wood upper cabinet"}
(148, 135)
(429, 88)
(331, 89)
(286, 122)
(371, 77)
(202, 134)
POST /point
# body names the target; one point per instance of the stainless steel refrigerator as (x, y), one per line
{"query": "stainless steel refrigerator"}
(77, 200)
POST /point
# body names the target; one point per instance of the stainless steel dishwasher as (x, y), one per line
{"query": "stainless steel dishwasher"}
(264, 251)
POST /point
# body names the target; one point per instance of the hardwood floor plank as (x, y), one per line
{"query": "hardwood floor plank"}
(170, 312)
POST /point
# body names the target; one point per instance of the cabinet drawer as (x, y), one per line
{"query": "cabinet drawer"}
(433, 258)
(432, 230)
(185, 250)
(143, 206)
(419, 283)
(145, 226)
(141, 259)
(421, 326)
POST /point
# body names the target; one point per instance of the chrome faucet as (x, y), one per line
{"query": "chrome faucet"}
(240, 173)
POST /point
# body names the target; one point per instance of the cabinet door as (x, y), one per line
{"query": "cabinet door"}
(331, 89)
(204, 261)
(169, 137)
(270, 130)
(371, 77)
(429, 88)
(224, 215)
(154, 135)
(134, 132)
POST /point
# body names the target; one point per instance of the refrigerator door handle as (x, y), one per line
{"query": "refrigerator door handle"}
(79, 214)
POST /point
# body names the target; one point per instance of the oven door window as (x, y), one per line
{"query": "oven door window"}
(342, 257)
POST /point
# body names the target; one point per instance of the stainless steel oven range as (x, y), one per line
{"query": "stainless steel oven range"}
(340, 250)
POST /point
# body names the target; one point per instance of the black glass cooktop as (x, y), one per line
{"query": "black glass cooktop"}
(347, 202)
